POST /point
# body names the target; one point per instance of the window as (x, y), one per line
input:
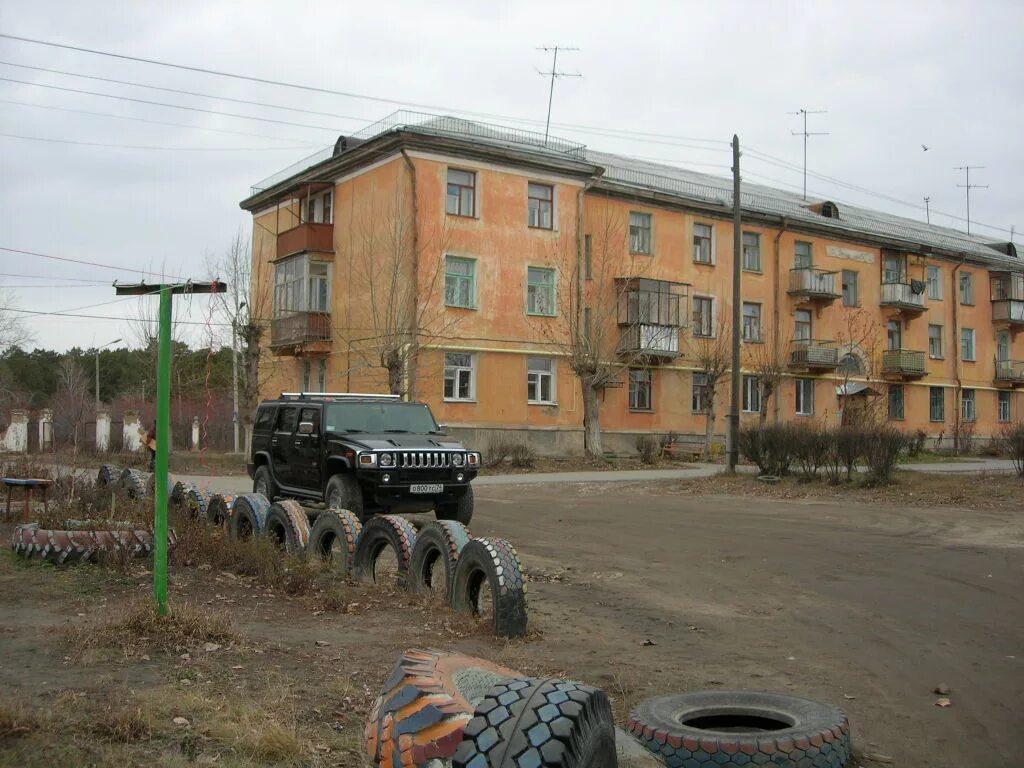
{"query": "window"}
(301, 285)
(459, 376)
(966, 288)
(851, 288)
(1003, 406)
(700, 400)
(540, 291)
(459, 282)
(850, 364)
(639, 389)
(751, 321)
(803, 255)
(321, 375)
(306, 376)
(894, 334)
(310, 416)
(804, 397)
(264, 418)
(934, 283)
(318, 209)
(640, 233)
(967, 344)
(540, 205)
(1002, 346)
(896, 402)
(894, 268)
(703, 316)
(935, 342)
(937, 403)
(540, 379)
(588, 257)
(968, 411)
(751, 394)
(802, 329)
(287, 418)
(461, 198)
(702, 243)
(751, 251)
(319, 286)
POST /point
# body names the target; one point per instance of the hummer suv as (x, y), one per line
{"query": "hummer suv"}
(364, 453)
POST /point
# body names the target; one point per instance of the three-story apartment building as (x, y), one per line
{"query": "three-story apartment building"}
(482, 269)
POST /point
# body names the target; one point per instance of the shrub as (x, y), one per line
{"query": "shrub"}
(1011, 442)
(915, 444)
(649, 448)
(522, 455)
(497, 451)
(882, 448)
(810, 445)
(770, 447)
(502, 448)
(964, 435)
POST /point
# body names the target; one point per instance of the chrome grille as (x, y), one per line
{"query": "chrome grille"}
(423, 459)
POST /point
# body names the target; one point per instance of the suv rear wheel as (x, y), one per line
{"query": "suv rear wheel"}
(461, 511)
(343, 492)
(263, 482)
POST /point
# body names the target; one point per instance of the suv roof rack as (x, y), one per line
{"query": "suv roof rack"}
(340, 394)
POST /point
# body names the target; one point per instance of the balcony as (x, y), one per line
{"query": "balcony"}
(306, 237)
(903, 364)
(903, 297)
(1010, 372)
(810, 284)
(649, 317)
(814, 355)
(650, 341)
(1008, 299)
(301, 332)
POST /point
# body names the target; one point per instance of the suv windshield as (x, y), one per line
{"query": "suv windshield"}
(379, 417)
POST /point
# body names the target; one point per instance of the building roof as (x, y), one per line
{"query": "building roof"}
(639, 176)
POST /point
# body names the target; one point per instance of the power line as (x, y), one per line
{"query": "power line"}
(53, 277)
(138, 146)
(968, 187)
(806, 134)
(93, 263)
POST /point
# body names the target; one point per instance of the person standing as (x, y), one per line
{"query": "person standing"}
(151, 447)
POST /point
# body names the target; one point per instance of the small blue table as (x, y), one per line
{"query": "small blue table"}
(29, 484)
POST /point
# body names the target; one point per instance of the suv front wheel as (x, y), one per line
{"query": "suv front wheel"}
(263, 482)
(461, 511)
(343, 492)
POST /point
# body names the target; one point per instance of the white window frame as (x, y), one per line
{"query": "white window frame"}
(934, 285)
(636, 245)
(552, 288)
(751, 394)
(530, 219)
(699, 394)
(752, 249)
(803, 318)
(293, 288)
(456, 371)
(968, 345)
(641, 377)
(804, 397)
(698, 248)
(1004, 409)
(967, 288)
(796, 254)
(856, 287)
(752, 331)
(536, 376)
(940, 352)
(710, 321)
(458, 278)
(318, 208)
(474, 213)
(968, 405)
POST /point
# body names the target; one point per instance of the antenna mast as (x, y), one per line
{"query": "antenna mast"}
(927, 209)
(805, 134)
(554, 74)
(968, 186)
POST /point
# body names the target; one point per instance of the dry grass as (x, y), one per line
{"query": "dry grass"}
(16, 722)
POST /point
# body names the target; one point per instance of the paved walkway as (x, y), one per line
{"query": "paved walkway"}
(970, 465)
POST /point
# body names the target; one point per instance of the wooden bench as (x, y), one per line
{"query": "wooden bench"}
(692, 449)
(29, 484)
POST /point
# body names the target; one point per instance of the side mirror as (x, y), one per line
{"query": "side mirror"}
(305, 428)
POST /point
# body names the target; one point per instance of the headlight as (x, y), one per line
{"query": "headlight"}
(367, 459)
(473, 459)
(387, 460)
(458, 459)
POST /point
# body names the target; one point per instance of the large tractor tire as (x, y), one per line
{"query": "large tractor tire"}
(80, 545)
(108, 475)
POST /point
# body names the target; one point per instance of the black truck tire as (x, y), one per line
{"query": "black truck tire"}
(435, 556)
(263, 483)
(494, 562)
(380, 532)
(526, 721)
(108, 475)
(461, 511)
(218, 508)
(248, 516)
(343, 492)
(733, 728)
(135, 483)
(288, 526)
(333, 539)
(196, 502)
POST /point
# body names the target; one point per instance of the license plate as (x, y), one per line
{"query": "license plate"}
(426, 488)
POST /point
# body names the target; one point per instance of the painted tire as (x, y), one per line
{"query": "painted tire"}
(196, 502)
(680, 729)
(151, 486)
(248, 516)
(438, 545)
(108, 475)
(380, 532)
(334, 538)
(136, 483)
(425, 705)
(218, 508)
(177, 496)
(288, 526)
(494, 562)
(80, 546)
(533, 722)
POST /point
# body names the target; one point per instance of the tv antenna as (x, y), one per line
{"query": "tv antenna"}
(968, 186)
(554, 74)
(927, 209)
(805, 134)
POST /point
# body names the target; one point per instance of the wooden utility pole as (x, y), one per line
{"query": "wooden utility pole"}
(737, 272)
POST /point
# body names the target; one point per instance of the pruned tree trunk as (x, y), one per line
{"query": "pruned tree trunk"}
(709, 430)
(591, 420)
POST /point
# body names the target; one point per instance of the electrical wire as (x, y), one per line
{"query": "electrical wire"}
(139, 146)
(93, 264)
(54, 277)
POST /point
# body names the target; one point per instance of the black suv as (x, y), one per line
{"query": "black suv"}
(364, 453)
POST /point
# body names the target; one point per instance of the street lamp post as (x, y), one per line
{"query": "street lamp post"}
(98, 371)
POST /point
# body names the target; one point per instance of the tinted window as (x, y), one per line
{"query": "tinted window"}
(265, 417)
(379, 417)
(311, 415)
(287, 418)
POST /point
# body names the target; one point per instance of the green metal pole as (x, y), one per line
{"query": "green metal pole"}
(163, 435)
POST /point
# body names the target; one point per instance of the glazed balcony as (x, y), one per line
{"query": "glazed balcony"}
(306, 237)
(903, 364)
(656, 341)
(811, 284)
(814, 355)
(902, 296)
(1008, 299)
(300, 331)
(650, 315)
(1010, 372)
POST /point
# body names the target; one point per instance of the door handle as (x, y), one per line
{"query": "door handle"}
(298, 443)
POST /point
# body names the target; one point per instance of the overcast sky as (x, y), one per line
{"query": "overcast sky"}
(892, 76)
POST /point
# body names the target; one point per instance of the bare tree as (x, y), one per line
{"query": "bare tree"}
(768, 362)
(12, 325)
(713, 357)
(860, 344)
(72, 401)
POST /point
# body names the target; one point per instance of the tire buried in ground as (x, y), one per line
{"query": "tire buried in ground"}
(135, 483)
(534, 722)
(494, 564)
(109, 475)
(438, 545)
(380, 533)
(151, 486)
(218, 508)
(80, 545)
(334, 538)
(248, 516)
(288, 526)
(177, 497)
(425, 705)
(734, 728)
(196, 502)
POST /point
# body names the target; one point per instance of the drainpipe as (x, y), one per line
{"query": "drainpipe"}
(777, 316)
(412, 347)
(958, 391)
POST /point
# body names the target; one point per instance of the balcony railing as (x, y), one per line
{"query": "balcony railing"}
(306, 237)
(814, 354)
(653, 340)
(903, 362)
(1008, 311)
(813, 283)
(902, 296)
(300, 328)
(1010, 371)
